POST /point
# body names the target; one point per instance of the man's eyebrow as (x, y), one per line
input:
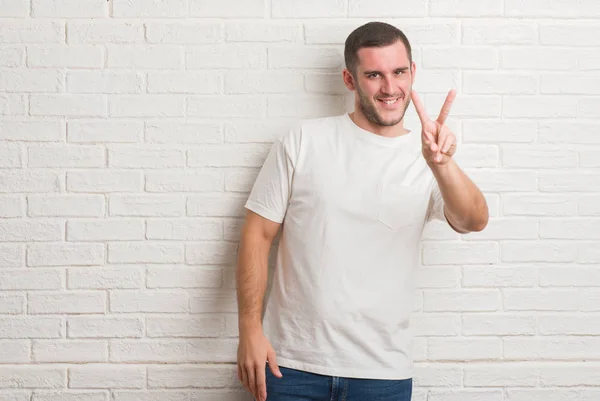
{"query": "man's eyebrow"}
(379, 72)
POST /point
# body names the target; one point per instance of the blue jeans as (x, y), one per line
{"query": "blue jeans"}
(296, 385)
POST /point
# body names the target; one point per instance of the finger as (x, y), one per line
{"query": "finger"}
(261, 387)
(448, 144)
(251, 380)
(446, 107)
(428, 137)
(419, 107)
(273, 364)
(441, 141)
(245, 379)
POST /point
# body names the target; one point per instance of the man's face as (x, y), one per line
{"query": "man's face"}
(384, 78)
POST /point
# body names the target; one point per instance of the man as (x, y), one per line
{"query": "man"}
(352, 194)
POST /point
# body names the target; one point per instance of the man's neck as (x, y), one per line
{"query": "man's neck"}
(388, 131)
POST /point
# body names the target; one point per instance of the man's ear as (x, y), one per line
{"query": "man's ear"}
(348, 80)
(413, 68)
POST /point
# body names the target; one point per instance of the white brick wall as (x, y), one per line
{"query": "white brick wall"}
(131, 133)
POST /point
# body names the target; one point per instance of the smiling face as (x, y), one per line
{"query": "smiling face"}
(383, 80)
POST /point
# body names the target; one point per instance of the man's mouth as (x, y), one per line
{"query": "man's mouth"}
(389, 101)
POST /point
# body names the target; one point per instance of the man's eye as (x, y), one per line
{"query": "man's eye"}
(373, 75)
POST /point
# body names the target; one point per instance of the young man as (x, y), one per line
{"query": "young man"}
(352, 194)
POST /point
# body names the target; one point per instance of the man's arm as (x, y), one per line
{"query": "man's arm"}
(465, 206)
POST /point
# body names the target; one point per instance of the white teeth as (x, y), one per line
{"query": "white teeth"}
(389, 101)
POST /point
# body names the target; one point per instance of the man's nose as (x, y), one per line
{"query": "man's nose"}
(388, 87)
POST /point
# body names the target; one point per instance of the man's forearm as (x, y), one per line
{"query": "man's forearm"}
(466, 207)
(251, 282)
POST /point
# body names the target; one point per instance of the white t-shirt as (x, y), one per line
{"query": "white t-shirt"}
(353, 206)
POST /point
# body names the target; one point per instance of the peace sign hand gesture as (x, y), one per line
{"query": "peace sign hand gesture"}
(438, 142)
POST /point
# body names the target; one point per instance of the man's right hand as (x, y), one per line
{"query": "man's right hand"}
(254, 351)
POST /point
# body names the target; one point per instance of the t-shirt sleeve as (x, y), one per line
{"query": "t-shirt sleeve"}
(436, 204)
(272, 189)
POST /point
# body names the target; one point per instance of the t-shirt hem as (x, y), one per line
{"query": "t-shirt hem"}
(387, 374)
(266, 213)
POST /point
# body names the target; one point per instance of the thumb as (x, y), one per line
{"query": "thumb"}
(273, 363)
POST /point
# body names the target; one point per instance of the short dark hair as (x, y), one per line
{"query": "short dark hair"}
(372, 34)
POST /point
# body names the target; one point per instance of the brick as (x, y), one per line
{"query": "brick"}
(589, 205)
(568, 34)
(225, 107)
(240, 181)
(570, 84)
(104, 327)
(145, 252)
(464, 395)
(498, 375)
(569, 182)
(305, 106)
(330, 84)
(191, 376)
(308, 9)
(208, 83)
(32, 31)
(458, 253)
(587, 158)
(215, 253)
(69, 351)
(537, 251)
(63, 56)
(227, 9)
(146, 106)
(11, 156)
(460, 349)
(469, 300)
(538, 58)
(493, 131)
(150, 9)
(146, 205)
(31, 80)
(104, 181)
(105, 131)
(65, 156)
(12, 105)
(262, 31)
(68, 9)
(30, 327)
(104, 277)
(148, 395)
(552, 394)
(63, 254)
(466, 106)
(184, 182)
(204, 326)
(501, 276)
(12, 255)
(492, 32)
(226, 56)
(584, 229)
(588, 253)
(260, 82)
(107, 376)
(569, 276)
(505, 181)
(184, 229)
(14, 8)
(435, 81)
(182, 133)
(541, 300)
(588, 108)
(30, 279)
(438, 277)
(439, 230)
(498, 324)
(575, 348)
(12, 305)
(174, 351)
(14, 351)
(12, 56)
(472, 57)
(329, 58)
(225, 205)
(246, 155)
(68, 105)
(545, 157)
(124, 301)
(145, 157)
(255, 131)
(570, 374)
(105, 230)
(431, 325)
(499, 83)
(540, 107)
(67, 303)
(403, 8)
(183, 32)
(68, 395)
(65, 206)
(209, 300)
(144, 57)
(551, 8)
(539, 205)
(569, 325)
(102, 32)
(32, 377)
(104, 82)
(38, 131)
(437, 375)
(477, 156)
(184, 277)
(26, 181)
